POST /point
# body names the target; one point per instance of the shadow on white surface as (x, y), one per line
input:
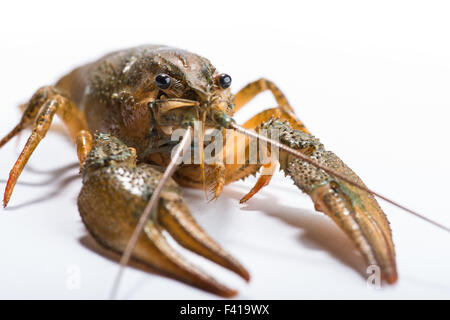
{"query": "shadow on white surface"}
(320, 232)
(142, 281)
(54, 174)
(88, 242)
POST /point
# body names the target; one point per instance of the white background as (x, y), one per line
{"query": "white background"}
(371, 79)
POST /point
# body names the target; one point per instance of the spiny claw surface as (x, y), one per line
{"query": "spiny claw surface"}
(114, 194)
(355, 211)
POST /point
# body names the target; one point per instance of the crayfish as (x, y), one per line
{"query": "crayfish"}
(122, 113)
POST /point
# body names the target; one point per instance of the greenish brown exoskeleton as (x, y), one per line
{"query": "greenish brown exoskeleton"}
(121, 112)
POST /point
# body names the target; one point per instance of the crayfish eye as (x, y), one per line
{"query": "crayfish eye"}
(162, 81)
(224, 80)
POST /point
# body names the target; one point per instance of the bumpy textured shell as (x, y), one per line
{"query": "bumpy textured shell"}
(114, 91)
(355, 211)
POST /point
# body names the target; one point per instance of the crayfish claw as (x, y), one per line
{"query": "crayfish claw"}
(115, 193)
(156, 251)
(175, 217)
(354, 210)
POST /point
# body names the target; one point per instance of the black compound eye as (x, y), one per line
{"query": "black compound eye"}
(224, 81)
(163, 81)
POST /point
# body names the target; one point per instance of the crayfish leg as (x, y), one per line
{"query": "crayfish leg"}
(251, 90)
(41, 109)
(236, 171)
(266, 175)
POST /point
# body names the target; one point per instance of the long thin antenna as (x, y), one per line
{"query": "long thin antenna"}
(332, 172)
(148, 210)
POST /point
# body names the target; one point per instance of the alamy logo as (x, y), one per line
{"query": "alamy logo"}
(226, 146)
(73, 278)
(374, 279)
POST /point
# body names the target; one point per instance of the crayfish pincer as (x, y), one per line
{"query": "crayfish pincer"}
(354, 210)
(114, 194)
(122, 112)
